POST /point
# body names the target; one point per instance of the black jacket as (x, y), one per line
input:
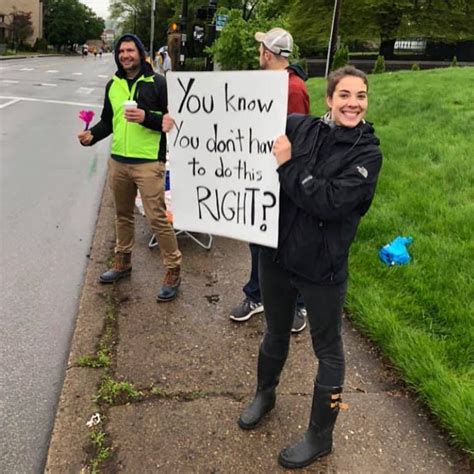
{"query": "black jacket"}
(148, 95)
(325, 189)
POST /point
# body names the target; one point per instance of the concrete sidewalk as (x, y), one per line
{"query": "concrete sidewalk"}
(196, 371)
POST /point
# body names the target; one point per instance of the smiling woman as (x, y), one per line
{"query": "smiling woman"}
(328, 170)
(347, 99)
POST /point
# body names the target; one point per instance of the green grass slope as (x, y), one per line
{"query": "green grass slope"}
(421, 314)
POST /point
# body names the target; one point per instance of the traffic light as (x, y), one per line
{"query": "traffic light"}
(173, 28)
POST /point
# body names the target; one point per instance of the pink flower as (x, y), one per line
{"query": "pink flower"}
(86, 116)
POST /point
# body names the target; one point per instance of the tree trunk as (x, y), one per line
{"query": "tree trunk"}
(387, 47)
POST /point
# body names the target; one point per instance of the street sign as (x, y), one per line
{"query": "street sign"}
(221, 20)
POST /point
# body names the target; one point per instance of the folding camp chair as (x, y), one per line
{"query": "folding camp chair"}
(205, 243)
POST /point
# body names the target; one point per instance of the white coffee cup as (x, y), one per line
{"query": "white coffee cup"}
(129, 104)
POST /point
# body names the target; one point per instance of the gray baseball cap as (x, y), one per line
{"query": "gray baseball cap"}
(277, 40)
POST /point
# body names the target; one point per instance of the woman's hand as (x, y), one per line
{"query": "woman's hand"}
(168, 123)
(282, 149)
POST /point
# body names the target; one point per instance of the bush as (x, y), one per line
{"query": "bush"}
(195, 64)
(415, 67)
(41, 45)
(454, 62)
(25, 47)
(379, 66)
(341, 58)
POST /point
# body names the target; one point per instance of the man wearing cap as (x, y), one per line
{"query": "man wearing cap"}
(275, 48)
(135, 112)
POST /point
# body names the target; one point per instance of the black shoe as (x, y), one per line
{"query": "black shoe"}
(246, 310)
(112, 275)
(299, 320)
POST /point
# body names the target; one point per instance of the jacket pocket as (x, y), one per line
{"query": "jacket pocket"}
(303, 252)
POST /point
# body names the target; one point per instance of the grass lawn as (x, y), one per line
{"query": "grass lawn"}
(422, 314)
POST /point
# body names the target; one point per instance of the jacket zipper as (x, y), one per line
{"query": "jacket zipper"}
(131, 93)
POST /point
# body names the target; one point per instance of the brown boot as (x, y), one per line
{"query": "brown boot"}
(171, 282)
(121, 269)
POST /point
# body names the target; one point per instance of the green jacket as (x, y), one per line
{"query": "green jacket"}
(134, 141)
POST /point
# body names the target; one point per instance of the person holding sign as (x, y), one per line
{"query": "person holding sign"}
(135, 111)
(328, 169)
(275, 48)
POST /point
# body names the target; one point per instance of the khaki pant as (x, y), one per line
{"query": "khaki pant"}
(149, 178)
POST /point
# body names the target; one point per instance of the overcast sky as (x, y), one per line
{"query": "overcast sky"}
(100, 7)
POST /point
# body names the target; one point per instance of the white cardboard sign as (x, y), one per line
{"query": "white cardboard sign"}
(222, 172)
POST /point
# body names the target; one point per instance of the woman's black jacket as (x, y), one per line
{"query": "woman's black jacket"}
(325, 189)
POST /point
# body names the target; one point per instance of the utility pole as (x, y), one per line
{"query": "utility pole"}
(152, 28)
(333, 36)
(211, 31)
(183, 19)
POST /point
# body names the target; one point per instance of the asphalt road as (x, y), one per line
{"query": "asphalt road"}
(50, 190)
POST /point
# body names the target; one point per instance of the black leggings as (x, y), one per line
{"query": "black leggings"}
(324, 305)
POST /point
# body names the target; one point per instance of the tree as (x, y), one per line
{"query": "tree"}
(385, 20)
(445, 20)
(69, 22)
(21, 26)
(310, 23)
(236, 48)
(250, 8)
(449, 20)
(134, 16)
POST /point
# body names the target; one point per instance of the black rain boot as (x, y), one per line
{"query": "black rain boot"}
(121, 269)
(317, 441)
(268, 376)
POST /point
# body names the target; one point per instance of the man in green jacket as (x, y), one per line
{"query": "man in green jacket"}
(135, 111)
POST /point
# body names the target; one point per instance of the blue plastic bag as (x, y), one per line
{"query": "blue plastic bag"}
(396, 253)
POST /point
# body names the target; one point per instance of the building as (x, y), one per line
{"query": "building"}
(108, 37)
(9, 7)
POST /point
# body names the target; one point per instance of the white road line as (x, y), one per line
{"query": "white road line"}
(8, 81)
(27, 69)
(77, 73)
(84, 90)
(102, 76)
(52, 70)
(6, 104)
(45, 84)
(48, 101)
